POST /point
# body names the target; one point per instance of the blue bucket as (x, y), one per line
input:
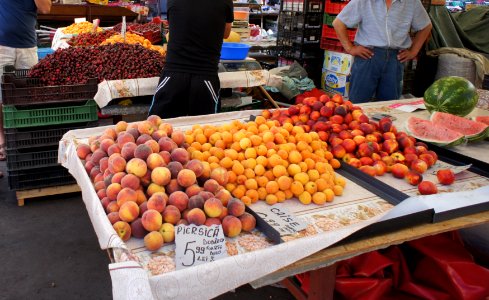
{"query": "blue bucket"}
(43, 52)
(234, 51)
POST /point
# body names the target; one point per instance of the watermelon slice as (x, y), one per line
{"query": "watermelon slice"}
(472, 130)
(481, 119)
(427, 131)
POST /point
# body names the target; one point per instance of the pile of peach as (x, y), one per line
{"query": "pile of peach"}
(373, 147)
(266, 161)
(147, 183)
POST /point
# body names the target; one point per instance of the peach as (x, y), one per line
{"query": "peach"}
(223, 213)
(137, 167)
(173, 186)
(171, 214)
(158, 134)
(248, 222)
(154, 188)
(211, 185)
(146, 179)
(413, 178)
(182, 222)
(231, 226)
(161, 176)
(349, 145)
(123, 230)
(212, 221)
(419, 166)
(178, 137)
(175, 167)
(196, 166)
(99, 185)
(105, 202)
(153, 240)
(167, 230)
(196, 201)
(143, 207)
(181, 155)
(129, 211)
(445, 176)
(390, 146)
(428, 158)
(113, 217)
(142, 151)
(113, 149)
(236, 207)
(167, 144)
(158, 201)
(112, 207)
(398, 157)
(125, 137)
(104, 164)
(127, 151)
(224, 195)
(101, 193)
(166, 157)
(120, 126)
(145, 127)
(154, 161)
(213, 207)
(141, 196)
(97, 156)
(186, 178)
(380, 167)
(117, 178)
(116, 163)
(126, 195)
(143, 138)
(196, 216)
(134, 132)
(94, 172)
(368, 170)
(151, 220)
(130, 181)
(409, 158)
(366, 161)
(206, 194)
(178, 199)
(105, 144)
(137, 229)
(193, 190)
(82, 150)
(427, 188)
(155, 120)
(155, 147)
(220, 175)
(399, 170)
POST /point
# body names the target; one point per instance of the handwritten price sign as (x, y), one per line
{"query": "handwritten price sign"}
(280, 218)
(196, 245)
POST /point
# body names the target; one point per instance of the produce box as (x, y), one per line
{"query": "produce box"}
(18, 89)
(14, 117)
(39, 178)
(337, 62)
(27, 159)
(335, 82)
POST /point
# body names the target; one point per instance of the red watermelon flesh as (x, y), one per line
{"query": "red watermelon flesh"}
(426, 130)
(482, 119)
(465, 126)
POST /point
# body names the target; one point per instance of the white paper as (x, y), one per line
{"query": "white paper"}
(80, 20)
(410, 106)
(279, 217)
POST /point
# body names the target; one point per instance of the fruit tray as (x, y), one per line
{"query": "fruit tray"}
(17, 118)
(23, 160)
(39, 178)
(18, 89)
(21, 138)
(330, 33)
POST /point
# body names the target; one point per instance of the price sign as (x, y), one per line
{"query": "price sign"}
(196, 245)
(280, 218)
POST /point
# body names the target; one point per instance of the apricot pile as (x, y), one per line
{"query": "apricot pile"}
(373, 147)
(82, 27)
(132, 38)
(261, 160)
(148, 183)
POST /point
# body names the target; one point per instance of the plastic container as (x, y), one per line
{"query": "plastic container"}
(23, 160)
(42, 52)
(234, 51)
(18, 118)
(39, 178)
(241, 13)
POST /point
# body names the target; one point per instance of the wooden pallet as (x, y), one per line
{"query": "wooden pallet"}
(47, 191)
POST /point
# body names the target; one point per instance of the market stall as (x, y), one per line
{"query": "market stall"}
(138, 270)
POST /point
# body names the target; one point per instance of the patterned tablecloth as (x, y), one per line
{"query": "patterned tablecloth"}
(483, 99)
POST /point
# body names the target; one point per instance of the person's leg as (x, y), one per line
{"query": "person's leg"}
(363, 80)
(171, 96)
(204, 95)
(7, 57)
(390, 84)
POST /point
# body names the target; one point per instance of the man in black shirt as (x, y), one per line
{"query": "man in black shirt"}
(189, 84)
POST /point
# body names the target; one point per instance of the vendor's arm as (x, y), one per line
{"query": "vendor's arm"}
(229, 18)
(350, 48)
(418, 42)
(43, 6)
(227, 30)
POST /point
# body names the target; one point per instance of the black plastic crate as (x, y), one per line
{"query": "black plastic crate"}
(309, 20)
(302, 6)
(308, 36)
(32, 158)
(18, 89)
(39, 178)
(23, 138)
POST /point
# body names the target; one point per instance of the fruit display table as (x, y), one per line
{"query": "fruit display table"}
(142, 274)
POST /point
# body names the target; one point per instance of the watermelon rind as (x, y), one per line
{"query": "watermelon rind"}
(452, 94)
(458, 140)
(462, 125)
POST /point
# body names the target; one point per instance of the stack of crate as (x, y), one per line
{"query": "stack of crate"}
(299, 35)
(329, 39)
(35, 118)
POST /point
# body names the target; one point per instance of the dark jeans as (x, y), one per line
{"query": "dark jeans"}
(379, 77)
(184, 94)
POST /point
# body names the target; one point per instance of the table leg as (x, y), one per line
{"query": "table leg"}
(321, 285)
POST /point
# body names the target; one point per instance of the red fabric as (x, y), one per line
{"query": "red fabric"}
(436, 267)
(312, 93)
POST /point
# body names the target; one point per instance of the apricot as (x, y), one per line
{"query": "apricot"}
(123, 230)
(231, 226)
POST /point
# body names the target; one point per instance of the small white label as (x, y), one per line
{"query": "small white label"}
(196, 245)
(280, 218)
(79, 20)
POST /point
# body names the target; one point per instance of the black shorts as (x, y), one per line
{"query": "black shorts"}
(184, 94)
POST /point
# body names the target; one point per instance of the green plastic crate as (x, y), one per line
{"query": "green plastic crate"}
(20, 118)
(328, 19)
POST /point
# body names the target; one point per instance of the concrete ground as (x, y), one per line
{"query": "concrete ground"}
(49, 250)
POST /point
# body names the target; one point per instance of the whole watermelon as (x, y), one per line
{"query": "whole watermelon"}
(452, 94)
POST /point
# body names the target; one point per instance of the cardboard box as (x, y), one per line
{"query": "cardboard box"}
(335, 82)
(337, 62)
